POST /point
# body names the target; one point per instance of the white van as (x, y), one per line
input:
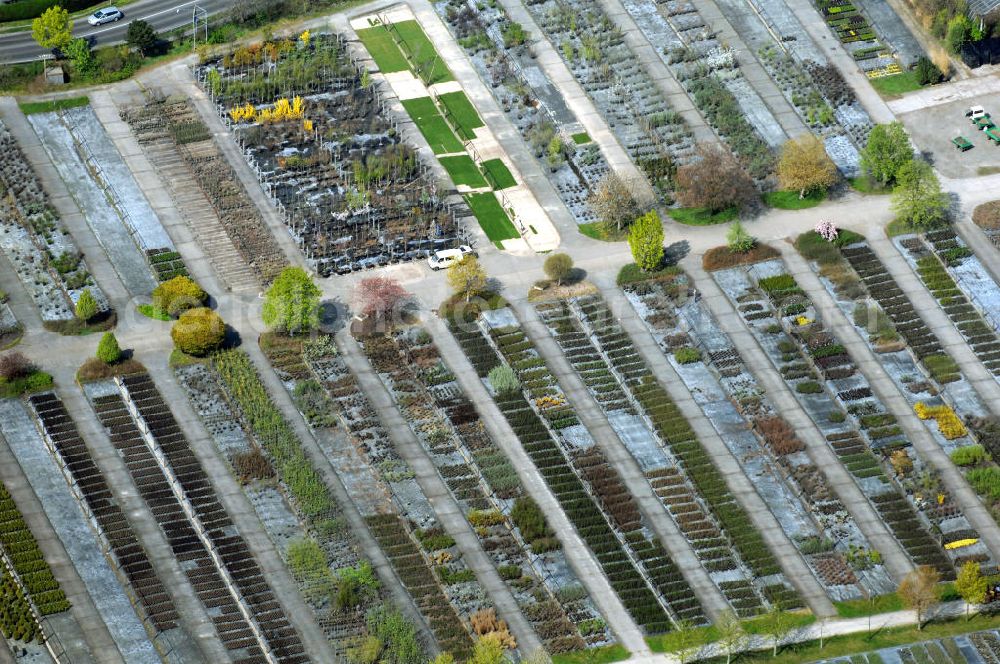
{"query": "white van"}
(975, 112)
(444, 258)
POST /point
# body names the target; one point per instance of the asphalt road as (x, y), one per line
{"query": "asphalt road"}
(163, 16)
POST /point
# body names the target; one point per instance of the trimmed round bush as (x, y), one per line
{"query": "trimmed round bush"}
(198, 331)
(177, 295)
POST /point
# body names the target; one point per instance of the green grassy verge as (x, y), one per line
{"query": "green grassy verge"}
(701, 216)
(851, 644)
(492, 217)
(149, 311)
(31, 107)
(36, 381)
(893, 86)
(599, 655)
(498, 174)
(25, 11)
(865, 185)
(462, 113)
(665, 643)
(432, 125)
(632, 273)
(789, 200)
(427, 64)
(463, 170)
(383, 49)
(581, 138)
(598, 230)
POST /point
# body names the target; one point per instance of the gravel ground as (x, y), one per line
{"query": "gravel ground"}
(101, 216)
(138, 214)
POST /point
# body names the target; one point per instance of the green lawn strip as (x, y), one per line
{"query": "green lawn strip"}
(897, 84)
(665, 643)
(862, 642)
(701, 216)
(383, 49)
(492, 217)
(900, 227)
(149, 311)
(30, 107)
(789, 200)
(865, 185)
(581, 138)
(463, 170)
(432, 125)
(428, 64)
(598, 230)
(498, 174)
(462, 113)
(598, 655)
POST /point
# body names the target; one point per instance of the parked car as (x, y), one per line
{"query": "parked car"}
(107, 15)
(975, 112)
(439, 260)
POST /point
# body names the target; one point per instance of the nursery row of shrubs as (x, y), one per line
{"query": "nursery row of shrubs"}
(980, 336)
(451, 434)
(21, 548)
(583, 512)
(676, 493)
(658, 303)
(857, 400)
(676, 434)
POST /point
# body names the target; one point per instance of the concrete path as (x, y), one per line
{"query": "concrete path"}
(553, 66)
(446, 509)
(579, 556)
(194, 616)
(937, 320)
(887, 392)
(819, 451)
(79, 632)
(594, 418)
(348, 510)
(827, 41)
(239, 509)
(739, 484)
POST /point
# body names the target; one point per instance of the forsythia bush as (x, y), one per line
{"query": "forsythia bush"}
(948, 422)
(283, 110)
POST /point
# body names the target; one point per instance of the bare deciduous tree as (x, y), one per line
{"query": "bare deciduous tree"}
(715, 181)
(614, 201)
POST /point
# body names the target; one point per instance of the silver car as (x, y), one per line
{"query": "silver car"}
(107, 15)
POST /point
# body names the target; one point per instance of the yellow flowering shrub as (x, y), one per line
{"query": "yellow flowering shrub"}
(548, 402)
(802, 320)
(958, 544)
(949, 424)
(241, 113)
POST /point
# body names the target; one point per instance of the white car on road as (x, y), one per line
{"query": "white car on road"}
(106, 15)
(439, 260)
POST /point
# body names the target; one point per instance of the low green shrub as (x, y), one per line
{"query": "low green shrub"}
(970, 455)
(808, 387)
(687, 355)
